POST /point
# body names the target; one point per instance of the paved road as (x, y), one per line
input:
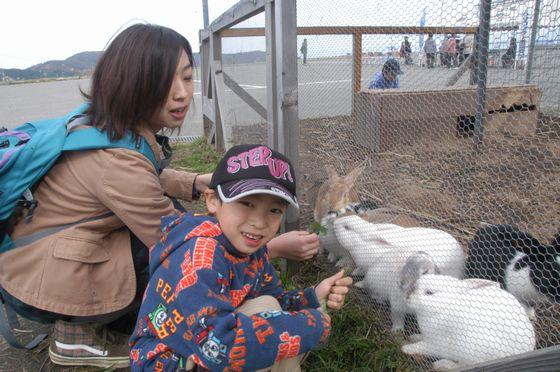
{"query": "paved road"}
(324, 90)
(26, 102)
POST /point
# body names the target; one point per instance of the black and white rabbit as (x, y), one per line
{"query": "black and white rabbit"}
(526, 268)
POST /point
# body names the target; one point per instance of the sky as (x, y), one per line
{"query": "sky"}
(35, 31)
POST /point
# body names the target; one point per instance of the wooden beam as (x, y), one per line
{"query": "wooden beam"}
(357, 65)
(204, 35)
(208, 110)
(271, 84)
(244, 95)
(238, 13)
(348, 30)
(287, 84)
(218, 87)
(462, 69)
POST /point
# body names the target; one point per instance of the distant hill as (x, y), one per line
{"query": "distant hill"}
(78, 65)
(82, 64)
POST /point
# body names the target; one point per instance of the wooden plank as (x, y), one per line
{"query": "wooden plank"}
(387, 118)
(462, 69)
(357, 65)
(244, 95)
(407, 105)
(238, 13)
(349, 30)
(218, 91)
(271, 85)
(208, 117)
(208, 109)
(287, 99)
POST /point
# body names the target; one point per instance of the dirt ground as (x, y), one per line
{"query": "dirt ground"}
(446, 184)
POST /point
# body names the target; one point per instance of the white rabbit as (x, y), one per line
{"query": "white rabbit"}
(467, 321)
(382, 250)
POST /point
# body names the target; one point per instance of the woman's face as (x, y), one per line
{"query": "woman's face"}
(180, 95)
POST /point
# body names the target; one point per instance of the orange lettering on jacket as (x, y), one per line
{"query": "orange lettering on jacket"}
(262, 328)
(289, 348)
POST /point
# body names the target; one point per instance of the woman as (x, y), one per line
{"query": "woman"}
(94, 272)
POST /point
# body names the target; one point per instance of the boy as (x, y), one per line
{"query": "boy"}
(214, 299)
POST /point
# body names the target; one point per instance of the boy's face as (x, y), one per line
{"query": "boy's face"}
(249, 222)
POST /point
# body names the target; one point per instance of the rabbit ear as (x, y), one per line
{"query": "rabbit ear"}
(477, 283)
(332, 173)
(351, 177)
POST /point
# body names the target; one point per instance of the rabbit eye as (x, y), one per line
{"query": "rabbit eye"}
(428, 292)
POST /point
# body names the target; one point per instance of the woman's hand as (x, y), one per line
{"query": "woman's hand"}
(202, 182)
(294, 245)
(333, 290)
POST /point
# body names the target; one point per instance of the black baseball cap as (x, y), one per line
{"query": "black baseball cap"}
(254, 169)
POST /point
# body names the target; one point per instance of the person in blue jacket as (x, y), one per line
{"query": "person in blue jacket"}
(388, 77)
(214, 299)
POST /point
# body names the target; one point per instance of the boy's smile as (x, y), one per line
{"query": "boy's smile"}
(249, 222)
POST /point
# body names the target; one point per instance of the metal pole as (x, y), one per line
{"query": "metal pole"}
(534, 26)
(482, 71)
(205, 13)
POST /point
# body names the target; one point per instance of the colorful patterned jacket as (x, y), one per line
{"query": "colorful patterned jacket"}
(197, 281)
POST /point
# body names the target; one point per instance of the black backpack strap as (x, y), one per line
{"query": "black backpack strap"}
(9, 321)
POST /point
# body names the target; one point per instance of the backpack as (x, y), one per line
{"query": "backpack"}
(29, 151)
(26, 155)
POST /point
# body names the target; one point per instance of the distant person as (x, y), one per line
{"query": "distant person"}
(442, 53)
(450, 51)
(508, 58)
(407, 49)
(460, 51)
(430, 49)
(303, 51)
(468, 45)
(388, 77)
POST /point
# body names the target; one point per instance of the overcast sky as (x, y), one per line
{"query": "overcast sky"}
(35, 31)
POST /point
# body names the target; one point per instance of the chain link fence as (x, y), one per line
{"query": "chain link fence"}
(447, 211)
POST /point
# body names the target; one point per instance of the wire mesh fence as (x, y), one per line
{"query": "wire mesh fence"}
(453, 234)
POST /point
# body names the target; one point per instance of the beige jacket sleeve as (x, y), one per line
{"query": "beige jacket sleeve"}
(130, 187)
(177, 184)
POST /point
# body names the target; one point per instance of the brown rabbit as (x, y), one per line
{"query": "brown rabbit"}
(336, 192)
(334, 195)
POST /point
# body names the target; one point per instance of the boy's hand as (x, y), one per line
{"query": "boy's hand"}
(202, 181)
(294, 245)
(333, 290)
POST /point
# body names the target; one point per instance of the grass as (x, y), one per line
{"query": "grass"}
(358, 342)
(197, 156)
